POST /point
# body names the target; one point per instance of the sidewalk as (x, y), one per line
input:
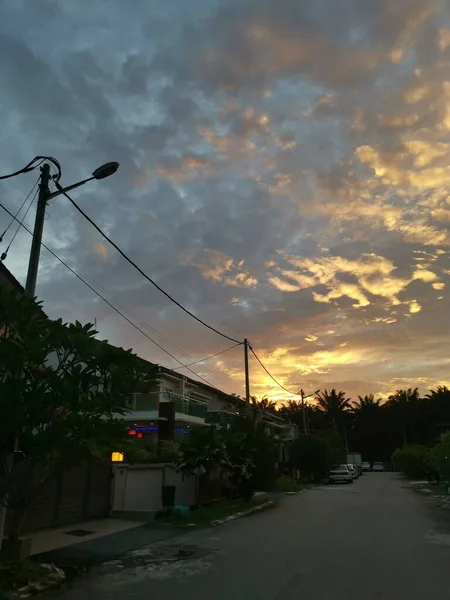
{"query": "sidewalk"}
(102, 540)
(82, 555)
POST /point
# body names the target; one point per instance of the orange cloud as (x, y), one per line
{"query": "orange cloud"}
(221, 268)
(99, 249)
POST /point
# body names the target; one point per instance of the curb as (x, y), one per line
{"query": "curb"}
(244, 513)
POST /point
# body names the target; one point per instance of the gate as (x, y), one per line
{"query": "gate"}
(79, 494)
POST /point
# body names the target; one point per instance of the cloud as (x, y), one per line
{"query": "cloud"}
(283, 173)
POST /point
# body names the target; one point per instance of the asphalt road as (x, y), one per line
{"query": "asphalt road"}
(374, 539)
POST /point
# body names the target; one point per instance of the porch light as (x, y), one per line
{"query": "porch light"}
(116, 457)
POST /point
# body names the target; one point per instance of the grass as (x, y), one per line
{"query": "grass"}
(202, 517)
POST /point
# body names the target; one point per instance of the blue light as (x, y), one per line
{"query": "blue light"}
(152, 428)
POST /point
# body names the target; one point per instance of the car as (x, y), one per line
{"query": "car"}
(366, 466)
(340, 473)
(353, 470)
(378, 466)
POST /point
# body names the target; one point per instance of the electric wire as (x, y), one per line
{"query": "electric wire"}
(17, 213)
(143, 323)
(5, 253)
(209, 357)
(131, 262)
(270, 374)
(110, 304)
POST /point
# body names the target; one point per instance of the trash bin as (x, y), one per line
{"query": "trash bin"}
(168, 495)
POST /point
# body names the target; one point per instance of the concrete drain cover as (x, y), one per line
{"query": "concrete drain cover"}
(79, 532)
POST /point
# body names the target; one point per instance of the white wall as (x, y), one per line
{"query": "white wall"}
(139, 487)
(186, 492)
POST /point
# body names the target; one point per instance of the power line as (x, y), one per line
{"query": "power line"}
(17, 213)
(131, 262)
(142, 322)
(109, 303)
(271, 376)
(5, 253)
(209, 357)
(31, 166)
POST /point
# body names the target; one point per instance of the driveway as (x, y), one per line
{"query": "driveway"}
(374, 539)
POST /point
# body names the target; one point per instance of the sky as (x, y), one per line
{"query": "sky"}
(284, 174)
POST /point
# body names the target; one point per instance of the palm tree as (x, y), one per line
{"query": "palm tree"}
(267, 405)
(334, 405)
(367, 432)
(366, 402)
(404, 406)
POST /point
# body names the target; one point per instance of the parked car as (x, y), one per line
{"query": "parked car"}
(378, 466)
(340, 473)
(353, 470)
(366, 466)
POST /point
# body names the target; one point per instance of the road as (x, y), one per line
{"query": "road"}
(374, 539)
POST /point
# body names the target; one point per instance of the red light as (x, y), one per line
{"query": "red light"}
(140, 435)
(132, 432)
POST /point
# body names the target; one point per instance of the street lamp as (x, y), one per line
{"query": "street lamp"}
(303, 397)
(45, 195)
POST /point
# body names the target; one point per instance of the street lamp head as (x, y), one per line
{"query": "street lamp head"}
(105, 170)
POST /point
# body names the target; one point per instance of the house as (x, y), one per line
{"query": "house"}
(7, 280)
(185, 401)
(188, 404)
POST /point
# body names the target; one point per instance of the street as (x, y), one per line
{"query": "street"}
(373, 539)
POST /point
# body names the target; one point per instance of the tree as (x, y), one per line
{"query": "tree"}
(313, 455)
(62, 396)
(366, 435)
(334, 405)
(405, 410)
(366, 402)
(413, 460)
(440, 457)
(267, 405)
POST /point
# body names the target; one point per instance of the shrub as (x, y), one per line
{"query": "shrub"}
(440, 457)
(412, 460)
(284, 483)
(168, 451)
(314, 454)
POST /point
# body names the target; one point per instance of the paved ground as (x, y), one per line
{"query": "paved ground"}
(375, 539)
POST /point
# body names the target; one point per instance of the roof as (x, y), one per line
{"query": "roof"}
(8, 277)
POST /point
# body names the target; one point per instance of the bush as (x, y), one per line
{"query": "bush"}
(168, 451)
(286, 484)
(412, 460)
(440, 457)
(314, 454)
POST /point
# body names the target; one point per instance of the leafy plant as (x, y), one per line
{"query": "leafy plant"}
(284, 483)
(412, 460)
(203, 452)
(314, 454)
(168, 451)
(62, 396)
(440, 457)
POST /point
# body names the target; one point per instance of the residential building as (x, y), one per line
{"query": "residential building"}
(7, 280)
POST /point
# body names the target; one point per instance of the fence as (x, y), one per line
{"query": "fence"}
(78, 494)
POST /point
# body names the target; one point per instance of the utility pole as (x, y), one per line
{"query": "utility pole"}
(305, 425)
(30, 290)
(247, 376)
(45, 195)
(303, 396)
(33, 264)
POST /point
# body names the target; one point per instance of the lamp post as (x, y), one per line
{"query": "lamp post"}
(45, 195)
(303, 397)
